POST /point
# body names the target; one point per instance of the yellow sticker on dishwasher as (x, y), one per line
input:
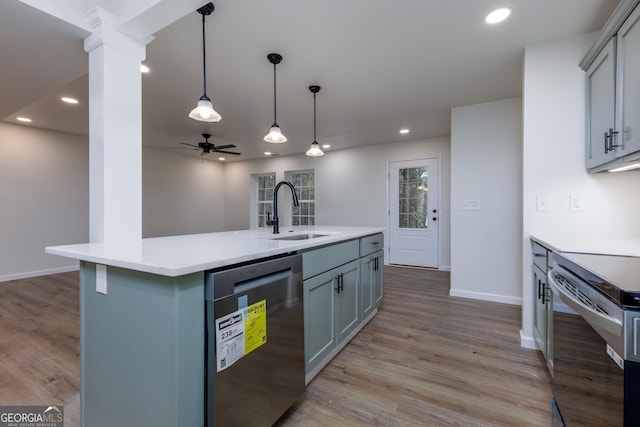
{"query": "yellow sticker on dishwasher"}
(239, 333)
(255, 326)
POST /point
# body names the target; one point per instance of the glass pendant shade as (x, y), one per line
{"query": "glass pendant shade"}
(275, 135)
(204, 112)
(314, 150)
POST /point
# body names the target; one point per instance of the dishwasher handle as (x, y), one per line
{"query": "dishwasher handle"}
(236, 280)
(256, 282)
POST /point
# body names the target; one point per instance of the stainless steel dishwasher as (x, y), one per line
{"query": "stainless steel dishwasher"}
(255, 342)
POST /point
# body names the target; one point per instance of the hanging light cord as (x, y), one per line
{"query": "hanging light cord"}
(204, 60)
(274, 94)
(314, 117)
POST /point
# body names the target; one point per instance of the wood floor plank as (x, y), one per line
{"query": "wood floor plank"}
(426, 359)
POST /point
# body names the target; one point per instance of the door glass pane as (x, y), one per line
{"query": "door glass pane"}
(412, 203)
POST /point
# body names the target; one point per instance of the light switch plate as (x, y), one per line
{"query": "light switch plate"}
(471, 205)
(575, 204)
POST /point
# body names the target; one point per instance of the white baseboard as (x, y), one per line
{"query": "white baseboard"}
(486, 297)
(527, 341)
(445, 268)
(28, 274)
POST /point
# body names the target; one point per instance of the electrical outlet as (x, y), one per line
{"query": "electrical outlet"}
(101, 279)
(542, 204)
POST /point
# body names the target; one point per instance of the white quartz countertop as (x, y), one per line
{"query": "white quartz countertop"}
(590, 245)
(178, 255)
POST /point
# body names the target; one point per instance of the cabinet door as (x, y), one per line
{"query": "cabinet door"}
(319, 314)
(540, 313)
(628, 84)
(348, 299)
(378, 278)
(367, 265)
(600, 106)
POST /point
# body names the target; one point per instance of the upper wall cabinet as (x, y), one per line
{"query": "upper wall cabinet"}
(600, 103)
(613, 91)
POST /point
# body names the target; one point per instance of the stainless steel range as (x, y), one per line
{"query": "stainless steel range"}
(596, 350)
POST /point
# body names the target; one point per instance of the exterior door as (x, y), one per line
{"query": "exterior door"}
(413, 212)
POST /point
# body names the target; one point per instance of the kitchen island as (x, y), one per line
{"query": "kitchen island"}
(142, 315)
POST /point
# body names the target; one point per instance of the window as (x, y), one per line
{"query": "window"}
(304, 183)
(266, 184)
(413, 190)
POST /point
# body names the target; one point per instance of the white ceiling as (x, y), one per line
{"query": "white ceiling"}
(382, 66)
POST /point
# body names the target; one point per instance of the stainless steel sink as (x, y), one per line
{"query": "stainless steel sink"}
(300, 236)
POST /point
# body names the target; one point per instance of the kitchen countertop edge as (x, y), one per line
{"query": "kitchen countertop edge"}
(179, 255)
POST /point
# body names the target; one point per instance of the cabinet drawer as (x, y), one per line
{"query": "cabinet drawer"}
(317, 261)
(371, 244)
(539, 255)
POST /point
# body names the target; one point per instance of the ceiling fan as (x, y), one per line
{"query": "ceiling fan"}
(206, 147)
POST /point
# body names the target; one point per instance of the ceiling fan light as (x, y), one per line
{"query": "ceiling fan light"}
(275, 135)
(314, 150)
(204, 112)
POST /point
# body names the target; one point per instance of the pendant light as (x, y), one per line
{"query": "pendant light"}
(204, 112)
(275, 135)
(314, 150)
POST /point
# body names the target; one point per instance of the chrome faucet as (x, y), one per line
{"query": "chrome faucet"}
(274, 222)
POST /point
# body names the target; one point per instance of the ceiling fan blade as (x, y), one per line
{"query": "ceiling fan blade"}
(224, 147)
(227, 152)
(190, 145)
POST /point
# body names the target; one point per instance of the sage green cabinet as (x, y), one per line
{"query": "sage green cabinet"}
(371, 282)
(613, 93)
(600, 106)
(628, 100)
(331, 301)
(343, 285)
(543, 312)
(331, 311)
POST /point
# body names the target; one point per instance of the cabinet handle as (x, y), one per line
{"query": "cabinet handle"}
(547, 294)
(610, 138)
(539, 292)
(339, 283)
(606, 143)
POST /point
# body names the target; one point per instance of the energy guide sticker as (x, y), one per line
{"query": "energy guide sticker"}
(239, 333)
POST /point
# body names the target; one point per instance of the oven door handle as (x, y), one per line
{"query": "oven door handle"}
(595, 318)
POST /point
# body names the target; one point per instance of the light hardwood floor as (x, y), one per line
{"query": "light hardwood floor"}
(426, 359)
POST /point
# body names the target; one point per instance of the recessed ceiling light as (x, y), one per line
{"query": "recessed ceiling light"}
(498, 15)
(69, 100)
(24, 119)
(222, 158)
(403, 131)
(267, 153)
(326, 146)
(144, 68)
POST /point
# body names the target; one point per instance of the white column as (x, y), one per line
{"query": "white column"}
(115, 131)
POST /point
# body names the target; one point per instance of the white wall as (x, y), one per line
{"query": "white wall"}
(350, 184)
(180, 194)
(486, 167)
(554, 161)
(44, 194)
